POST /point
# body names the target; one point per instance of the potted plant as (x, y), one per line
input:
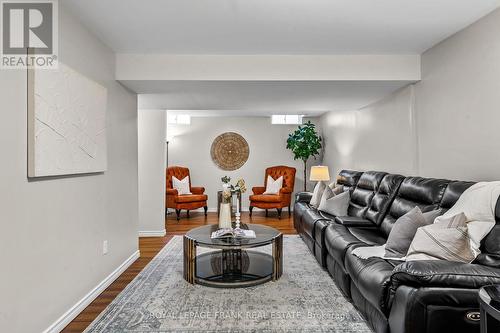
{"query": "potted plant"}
(304, 144)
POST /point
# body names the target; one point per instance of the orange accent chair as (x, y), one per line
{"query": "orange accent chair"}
(271, 201)
(186, 201)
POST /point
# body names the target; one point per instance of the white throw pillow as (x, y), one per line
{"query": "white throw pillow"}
(478, 204)
(327, 194)
(447, 239)
(273, 186)
(317, 194)
(182, 186)
(336, 205)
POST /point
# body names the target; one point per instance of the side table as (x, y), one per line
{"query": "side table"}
(489, 302)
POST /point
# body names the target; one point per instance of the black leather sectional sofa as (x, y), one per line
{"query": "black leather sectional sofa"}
(411, 297)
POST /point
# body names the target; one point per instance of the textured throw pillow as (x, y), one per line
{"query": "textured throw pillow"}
(444, 240)
(317, 193)
(273, 186)
(327, 194)
(404, 230)
(182, 186)
(336, 205)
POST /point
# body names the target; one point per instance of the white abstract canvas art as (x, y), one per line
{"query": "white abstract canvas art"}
(66, 123)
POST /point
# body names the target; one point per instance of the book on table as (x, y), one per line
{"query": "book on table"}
(234, 233)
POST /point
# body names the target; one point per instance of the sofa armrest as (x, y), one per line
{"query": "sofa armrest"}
(352, 221)
(197, 190)
(258, 189)
(172, 191)
(303, 197)
(285, 190)
(441, 273)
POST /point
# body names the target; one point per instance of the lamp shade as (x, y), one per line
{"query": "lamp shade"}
(319, 173)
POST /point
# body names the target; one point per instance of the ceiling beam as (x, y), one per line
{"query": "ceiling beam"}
(268, 67)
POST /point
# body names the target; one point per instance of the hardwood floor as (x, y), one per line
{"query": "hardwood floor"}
(150, 246)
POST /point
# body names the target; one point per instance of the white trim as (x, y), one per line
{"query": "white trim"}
(75, 310)
(152, 233)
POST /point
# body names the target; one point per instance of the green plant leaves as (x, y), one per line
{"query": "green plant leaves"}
(304, 142)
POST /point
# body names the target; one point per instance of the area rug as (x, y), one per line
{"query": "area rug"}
(305, 299)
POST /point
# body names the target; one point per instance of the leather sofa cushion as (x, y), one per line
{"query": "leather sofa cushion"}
(319, 231)
(191, 198)
(362, 195)
(265, 197)
(348, 178)
(443, 273)
(368, 236)
(426, 193)
(372, 278)
(383, 198)
(453, 191)
(309, 219)
(338, 239)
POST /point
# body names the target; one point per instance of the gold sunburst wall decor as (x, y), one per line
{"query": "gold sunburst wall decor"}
(229, 151)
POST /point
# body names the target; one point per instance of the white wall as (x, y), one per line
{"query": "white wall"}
(52, 230)
(152, 149)
(267, 142)
(458, 104)
(443, 126)
(378, 137)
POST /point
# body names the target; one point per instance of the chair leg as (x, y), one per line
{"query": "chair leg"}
(279, 212)
(178, 213)
(187, 213)
(288, 210)
(250, 208)
(266, 212)
(205, 208)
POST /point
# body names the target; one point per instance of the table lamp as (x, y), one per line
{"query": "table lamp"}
(319, 173)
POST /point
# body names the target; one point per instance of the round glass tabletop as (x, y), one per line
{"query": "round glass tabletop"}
(264, 235)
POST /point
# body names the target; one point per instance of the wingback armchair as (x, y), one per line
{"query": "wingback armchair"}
(271, 201)
(195, 200)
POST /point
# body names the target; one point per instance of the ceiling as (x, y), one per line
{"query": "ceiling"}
(261, 98)
(276, 26)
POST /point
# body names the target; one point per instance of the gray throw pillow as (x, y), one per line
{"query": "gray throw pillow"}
(404, 229)
(336, 205)
(317, 193)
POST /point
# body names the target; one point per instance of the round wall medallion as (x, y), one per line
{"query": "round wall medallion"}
(229, 151)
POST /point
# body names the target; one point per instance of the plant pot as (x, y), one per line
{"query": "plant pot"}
(225, 215)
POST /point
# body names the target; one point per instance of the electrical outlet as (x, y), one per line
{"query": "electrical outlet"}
(105, 248)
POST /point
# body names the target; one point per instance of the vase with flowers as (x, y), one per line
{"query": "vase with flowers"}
(228, 190)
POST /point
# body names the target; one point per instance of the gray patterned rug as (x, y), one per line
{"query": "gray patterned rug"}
(305, 299)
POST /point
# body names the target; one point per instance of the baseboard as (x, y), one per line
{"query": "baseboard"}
(152, 233)
(243, 209)
(75, 310)
(214, 209)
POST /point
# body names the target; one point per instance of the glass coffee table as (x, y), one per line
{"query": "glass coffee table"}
(233, 264)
